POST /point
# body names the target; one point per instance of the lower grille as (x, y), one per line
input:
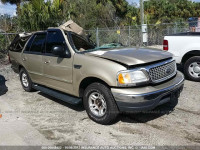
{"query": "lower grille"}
(163, 72)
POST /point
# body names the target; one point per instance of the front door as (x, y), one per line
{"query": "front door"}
(57, 69)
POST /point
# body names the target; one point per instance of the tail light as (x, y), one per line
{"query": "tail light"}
(165, 45)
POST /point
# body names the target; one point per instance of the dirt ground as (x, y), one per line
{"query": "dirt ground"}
(38, 119)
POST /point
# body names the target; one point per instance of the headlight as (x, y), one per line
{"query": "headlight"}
(131, 78)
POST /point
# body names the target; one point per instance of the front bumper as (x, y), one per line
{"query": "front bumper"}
(149, 97)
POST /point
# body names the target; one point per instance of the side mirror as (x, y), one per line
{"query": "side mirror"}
(58, 50)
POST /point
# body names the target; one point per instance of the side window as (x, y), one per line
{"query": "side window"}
(54, 39)
(38, 43)
(28, 45)
(18, 43)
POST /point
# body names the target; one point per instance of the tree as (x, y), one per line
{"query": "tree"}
(91, 13)
(39, 15)
(168, 11)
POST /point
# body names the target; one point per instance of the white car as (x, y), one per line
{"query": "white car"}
(186, 50)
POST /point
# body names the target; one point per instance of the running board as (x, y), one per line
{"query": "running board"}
(58, 95)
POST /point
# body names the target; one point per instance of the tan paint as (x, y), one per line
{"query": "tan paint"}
(60, 74)
(131, 56)
(95, 67)
(33, 64)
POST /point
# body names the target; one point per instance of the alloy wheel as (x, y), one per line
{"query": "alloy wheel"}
(97, 104)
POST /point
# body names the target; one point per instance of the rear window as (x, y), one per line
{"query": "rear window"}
(18, 43)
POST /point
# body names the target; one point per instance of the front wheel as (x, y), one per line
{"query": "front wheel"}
(100, 104)
(192, 68)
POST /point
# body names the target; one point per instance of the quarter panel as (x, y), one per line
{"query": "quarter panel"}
(180, 45)
(15, 58)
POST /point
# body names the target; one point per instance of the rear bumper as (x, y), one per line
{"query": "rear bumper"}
(147, 98)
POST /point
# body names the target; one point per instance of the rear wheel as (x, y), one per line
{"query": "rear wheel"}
(100, 104)
(192, 68)
(25, 80)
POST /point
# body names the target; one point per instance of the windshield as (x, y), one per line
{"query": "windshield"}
(81, 44)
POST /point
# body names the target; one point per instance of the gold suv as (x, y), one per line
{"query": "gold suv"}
(108, 79)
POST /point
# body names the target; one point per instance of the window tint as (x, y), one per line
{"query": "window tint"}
(38, 43)
(27, 48)
(54, 38)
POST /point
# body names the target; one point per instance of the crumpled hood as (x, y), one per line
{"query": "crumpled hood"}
(131, 56)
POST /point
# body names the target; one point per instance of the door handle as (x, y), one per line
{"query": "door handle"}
(47, 62)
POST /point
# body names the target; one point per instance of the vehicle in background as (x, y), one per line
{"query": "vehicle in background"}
(186, 50)
(194, 24)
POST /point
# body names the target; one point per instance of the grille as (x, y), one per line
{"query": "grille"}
(163, 72)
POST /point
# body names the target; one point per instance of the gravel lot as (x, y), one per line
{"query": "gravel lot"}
(35, 119)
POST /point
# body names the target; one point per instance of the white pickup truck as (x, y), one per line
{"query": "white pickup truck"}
(186, 50)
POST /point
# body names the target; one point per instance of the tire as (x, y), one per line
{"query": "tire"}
(105, 101)
(192, 68)
(24, 77)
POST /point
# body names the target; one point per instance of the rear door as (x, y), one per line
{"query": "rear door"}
(57, 69)
(32, 57)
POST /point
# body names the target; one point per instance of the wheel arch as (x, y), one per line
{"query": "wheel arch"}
(87, 81)
(20, 67)
(190, 54)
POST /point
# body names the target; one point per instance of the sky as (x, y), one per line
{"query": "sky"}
(11, 9)
(7, 9)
